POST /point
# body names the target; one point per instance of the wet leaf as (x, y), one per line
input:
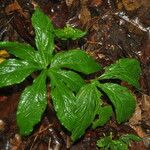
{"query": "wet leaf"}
(72, 110)
(69, 33)
(125, 69)
(77, 60)
(64, 102)
(104, 114)
(72, 80)
(32, 104)
(87, 102)
(14, 71)
(44, 35)
(22, 51)
(122, 99)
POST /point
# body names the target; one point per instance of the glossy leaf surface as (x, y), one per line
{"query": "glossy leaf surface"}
(21, 50)
(77, 60)
(104, 114)
(76, 113)
(44, 35)
(125, 69)
(32, 104)
(87, 102)
(122, 99)
(64, 102)
(72, 80)
(14, 71)
(69, 33)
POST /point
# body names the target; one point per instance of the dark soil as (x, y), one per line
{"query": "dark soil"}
(116, 29)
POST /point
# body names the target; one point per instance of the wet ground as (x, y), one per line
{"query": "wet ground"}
(116, 29)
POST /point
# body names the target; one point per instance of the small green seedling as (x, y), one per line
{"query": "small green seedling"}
(107, 143)
(76, 103)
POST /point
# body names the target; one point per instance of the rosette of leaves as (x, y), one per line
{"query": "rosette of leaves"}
(62, 68)
(76, 103)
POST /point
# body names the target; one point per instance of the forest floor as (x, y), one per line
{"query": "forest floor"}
(116, 29)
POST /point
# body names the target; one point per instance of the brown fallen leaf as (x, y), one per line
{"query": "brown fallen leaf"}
(146, 112)
(131, 5)
(15, 7)
(137, 116)
(84, 15)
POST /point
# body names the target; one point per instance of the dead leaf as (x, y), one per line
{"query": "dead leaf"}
(85, 15)
(15, 7)
(137, 117)
(15, 142)
(146, 103)
(4, 54)
(131, 5)
(146, 112)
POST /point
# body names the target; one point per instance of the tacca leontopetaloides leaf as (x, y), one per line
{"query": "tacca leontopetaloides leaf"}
(125, 69)
(122, 99)
(32, 104)
(76, 113)
(14, 71)
(104, 114)
(77, 60)
(87, 103)
(64, 102)
(72, 80)
(69, 33)
(22, 51)
(44, 35)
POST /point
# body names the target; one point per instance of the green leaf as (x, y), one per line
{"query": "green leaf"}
(118, 145)
(14, 71)
(122, 99)
(104, 115)
(104, 142)
(77, 60)
(75, 113)
(64, 102)
(72, 80)
(22, 51)
(88, 100)
(32, 104)
(125, 69)
(44, 35)
(130, 137)
(69, 33)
